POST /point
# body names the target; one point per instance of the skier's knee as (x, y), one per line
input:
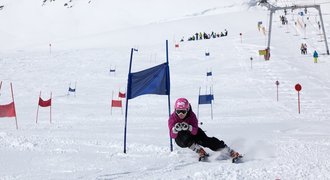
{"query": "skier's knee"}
(184, 144)
(184, 140)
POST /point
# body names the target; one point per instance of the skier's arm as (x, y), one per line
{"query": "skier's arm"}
(171, 124)
(194, 124)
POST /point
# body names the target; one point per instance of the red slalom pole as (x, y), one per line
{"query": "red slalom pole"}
(12, 95)
(38, 108)
(298, 103)
(298, 88)
(50, 109)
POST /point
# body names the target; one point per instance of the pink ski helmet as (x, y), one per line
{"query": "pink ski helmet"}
(181, 103)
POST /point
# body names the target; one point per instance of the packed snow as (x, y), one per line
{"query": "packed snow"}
(51, 46)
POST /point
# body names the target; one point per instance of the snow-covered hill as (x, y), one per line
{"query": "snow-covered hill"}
(25, 23)
(84, 141)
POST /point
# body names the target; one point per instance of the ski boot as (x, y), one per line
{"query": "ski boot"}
(202, 154)
(236, 157)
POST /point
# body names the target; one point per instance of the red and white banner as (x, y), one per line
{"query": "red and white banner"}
(121, 95)
(8, 110)
(116, 103)
(44, 103)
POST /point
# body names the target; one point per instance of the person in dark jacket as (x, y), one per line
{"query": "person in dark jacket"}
(315, 55)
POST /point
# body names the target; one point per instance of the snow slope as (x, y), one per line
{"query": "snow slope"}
(84, 141)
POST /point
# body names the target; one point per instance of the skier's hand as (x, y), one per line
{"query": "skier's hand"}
(177, 127)
(186, 126)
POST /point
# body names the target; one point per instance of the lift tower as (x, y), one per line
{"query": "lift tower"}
(273, 8)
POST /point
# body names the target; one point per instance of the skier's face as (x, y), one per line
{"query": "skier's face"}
(181, 113)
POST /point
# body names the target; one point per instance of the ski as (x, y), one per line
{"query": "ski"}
(203, 158)
(238, 159)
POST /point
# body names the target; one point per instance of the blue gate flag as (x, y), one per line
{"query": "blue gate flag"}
(205, 99)
(209, 74)
(154, 80)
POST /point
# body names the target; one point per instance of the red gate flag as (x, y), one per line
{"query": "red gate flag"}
(122, 95)
(8, 110)
(116, 103)
(43, 103)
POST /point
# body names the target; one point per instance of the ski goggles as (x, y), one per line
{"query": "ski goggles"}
(181, 111)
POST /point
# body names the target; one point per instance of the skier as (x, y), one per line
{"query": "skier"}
(303, 48)
(183, 126)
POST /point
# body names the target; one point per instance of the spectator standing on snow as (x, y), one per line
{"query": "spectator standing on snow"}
(315, 55)
(302, 49)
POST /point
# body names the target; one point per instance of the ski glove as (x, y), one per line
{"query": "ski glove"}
(181, 127)
(177, 127)
(186, 126)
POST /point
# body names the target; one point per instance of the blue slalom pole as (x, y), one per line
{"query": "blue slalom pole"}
(128, 89)
(168, 86)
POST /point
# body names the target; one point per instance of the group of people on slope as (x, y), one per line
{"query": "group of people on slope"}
(200, 36)
(303, 48)
(284, 20)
